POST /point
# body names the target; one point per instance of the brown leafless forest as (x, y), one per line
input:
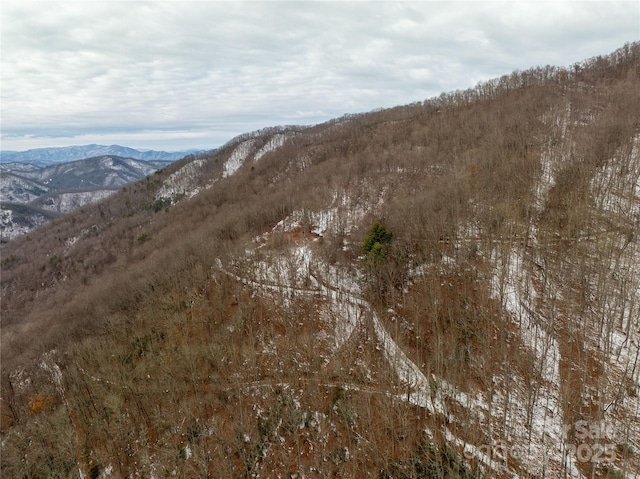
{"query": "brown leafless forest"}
(446, 289)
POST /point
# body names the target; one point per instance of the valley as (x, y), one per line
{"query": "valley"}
(32, 195)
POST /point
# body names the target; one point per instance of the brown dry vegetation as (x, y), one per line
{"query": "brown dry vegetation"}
(168, 366)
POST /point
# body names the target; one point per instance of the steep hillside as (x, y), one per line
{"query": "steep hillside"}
(444, 289)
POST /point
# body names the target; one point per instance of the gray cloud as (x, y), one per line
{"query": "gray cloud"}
(193, 74)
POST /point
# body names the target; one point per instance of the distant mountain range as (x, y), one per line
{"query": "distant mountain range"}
(50, 156)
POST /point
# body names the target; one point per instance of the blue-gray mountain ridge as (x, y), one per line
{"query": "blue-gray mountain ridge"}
(49, 156)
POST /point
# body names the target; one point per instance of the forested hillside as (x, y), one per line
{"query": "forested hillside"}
(445, 289)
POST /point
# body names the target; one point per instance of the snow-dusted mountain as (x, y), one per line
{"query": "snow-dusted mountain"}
(17, 219)
(49, 156)
(448, 289)
(107, 171)
(62, 187)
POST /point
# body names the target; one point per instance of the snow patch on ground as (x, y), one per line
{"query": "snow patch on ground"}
(546, 181)
(66, 202)
(237, 158)
(182, 182)
(276, 141)
(10, 228)
(341, 218)
(288, 270)
(537, 418)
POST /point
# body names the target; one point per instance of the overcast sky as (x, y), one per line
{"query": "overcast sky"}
(174, 75)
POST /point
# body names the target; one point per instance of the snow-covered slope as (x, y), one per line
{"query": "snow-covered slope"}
(65, 202)
(244, 149)
(17, 220)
